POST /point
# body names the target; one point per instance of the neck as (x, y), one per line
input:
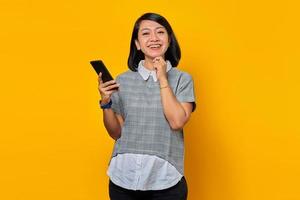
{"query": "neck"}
(148, 64)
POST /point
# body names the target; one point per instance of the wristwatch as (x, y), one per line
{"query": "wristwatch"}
(106, 106)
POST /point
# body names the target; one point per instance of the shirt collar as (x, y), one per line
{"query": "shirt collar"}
(145, 73)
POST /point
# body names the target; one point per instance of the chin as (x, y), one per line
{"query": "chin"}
(155, 55)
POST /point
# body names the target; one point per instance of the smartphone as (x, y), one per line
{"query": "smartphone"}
(99, 66)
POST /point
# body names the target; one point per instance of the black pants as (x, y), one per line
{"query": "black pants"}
(177, 192)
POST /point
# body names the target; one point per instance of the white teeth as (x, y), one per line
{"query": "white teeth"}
(155, 46)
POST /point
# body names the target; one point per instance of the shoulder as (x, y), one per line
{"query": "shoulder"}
(180, 74)
(127, 75)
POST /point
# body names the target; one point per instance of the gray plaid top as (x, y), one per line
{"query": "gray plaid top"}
(145, 129)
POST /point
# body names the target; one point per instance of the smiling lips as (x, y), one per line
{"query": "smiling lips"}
(154, 46)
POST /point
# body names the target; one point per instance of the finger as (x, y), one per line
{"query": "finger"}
(107, 92)
(111, 87)
(157, 65)
(111, 91)
(162, 61)
(108, 88)
(158, 58)
(108, 83)
(100, 78)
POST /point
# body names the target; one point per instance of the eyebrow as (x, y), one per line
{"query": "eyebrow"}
(149, 28)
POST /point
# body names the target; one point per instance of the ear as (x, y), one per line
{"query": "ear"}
(137, 45)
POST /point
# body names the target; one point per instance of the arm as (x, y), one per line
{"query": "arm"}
(113, 122)
(176, 113)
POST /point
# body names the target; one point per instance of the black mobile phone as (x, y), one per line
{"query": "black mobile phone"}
(99, 66)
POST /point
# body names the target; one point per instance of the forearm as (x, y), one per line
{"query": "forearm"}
(172, 108)
(111, 123)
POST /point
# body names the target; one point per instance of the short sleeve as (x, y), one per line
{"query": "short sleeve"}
(185, 91)
(116, 102)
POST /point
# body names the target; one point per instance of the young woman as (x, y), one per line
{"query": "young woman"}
(145, 110)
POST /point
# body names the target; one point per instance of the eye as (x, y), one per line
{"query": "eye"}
(145, 33)
(160, 32)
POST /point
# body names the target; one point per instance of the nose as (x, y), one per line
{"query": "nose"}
(153, 37)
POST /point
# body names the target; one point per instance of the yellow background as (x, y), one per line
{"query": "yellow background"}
(243, 141)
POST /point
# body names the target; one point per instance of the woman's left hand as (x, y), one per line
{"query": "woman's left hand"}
(160, 66)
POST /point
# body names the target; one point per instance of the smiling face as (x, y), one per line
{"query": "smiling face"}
(153, 39)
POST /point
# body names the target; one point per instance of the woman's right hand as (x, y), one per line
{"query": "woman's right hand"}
(106, 89)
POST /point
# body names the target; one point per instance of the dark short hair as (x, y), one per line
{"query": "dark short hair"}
(173, 52)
